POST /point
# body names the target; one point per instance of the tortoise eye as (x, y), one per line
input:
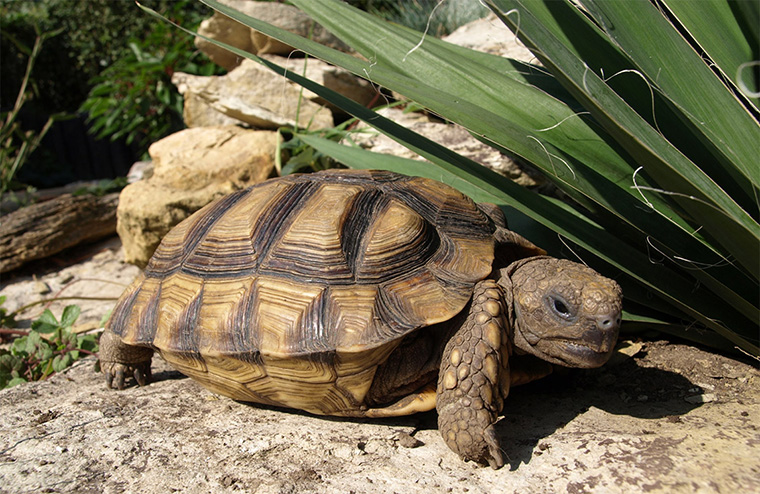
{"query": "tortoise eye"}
(560, 307)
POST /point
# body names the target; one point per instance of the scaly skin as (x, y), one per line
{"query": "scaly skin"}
(474, 379)
(119, 361)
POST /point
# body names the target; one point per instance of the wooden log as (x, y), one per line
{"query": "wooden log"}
(47, 228)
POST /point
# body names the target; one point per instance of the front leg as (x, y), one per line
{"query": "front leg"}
(119, 361)
(474, 378)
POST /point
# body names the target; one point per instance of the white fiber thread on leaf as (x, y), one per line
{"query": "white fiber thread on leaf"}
(687, 264)
(563, 120)
(550, 155)
(638, 189)
(561, 239)
(740, 82)
(682, 195)
(649, 86)
(586, 70)
(517, 24)
(427, 27)
(367, 73)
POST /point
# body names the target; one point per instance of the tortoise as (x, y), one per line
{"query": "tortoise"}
(363, 294)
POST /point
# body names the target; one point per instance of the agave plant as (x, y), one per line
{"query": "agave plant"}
(645, 113)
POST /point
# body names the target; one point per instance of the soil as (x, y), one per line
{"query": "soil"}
(661, 416)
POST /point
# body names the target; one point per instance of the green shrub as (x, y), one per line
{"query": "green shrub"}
(16, 143)
(94, 36)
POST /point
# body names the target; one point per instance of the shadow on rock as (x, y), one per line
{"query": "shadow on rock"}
(535, 411)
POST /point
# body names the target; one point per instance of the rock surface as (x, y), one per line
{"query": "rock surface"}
(251, 94)
(490, 35)
(659, 418)
(96, 271)
(221, 28)
(190, 169)
(620, 430)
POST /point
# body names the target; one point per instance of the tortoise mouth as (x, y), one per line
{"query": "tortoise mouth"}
(593, 349)
(579, 354)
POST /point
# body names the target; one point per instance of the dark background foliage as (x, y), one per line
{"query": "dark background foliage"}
(97, 43)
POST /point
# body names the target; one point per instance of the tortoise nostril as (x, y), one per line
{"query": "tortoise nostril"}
(608, 323)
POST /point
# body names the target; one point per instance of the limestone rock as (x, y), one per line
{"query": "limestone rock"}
(197, 112)
(191, 168)
(490, 35)
(335, 78)
(251, 94)
(451, 136)
(224, 29)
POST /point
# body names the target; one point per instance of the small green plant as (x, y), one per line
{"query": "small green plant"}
(302, 157)
(6, 320)
(33, 356)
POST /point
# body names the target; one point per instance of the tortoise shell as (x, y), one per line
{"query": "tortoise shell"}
(310, 278)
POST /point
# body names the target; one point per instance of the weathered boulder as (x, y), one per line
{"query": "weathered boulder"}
(451, 136)
(251, 94)
(191, 168)
(335, 78)
(221, 28)
(490, 35)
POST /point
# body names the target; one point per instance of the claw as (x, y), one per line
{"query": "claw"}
(496, 459)
(119, 378)
(141, 377)
(109, 380)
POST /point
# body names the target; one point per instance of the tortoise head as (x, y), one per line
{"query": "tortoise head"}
(564, 312)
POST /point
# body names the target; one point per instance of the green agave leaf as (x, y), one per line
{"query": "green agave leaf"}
(491, 125)
(709, 205)
(672, 65)
(724, 30)
(612, 186)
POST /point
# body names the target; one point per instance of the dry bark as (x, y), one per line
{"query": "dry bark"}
(46, 228)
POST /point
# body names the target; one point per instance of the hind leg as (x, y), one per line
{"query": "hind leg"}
(119, 361)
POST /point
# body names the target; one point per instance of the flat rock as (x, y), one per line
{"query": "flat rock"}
(251, 94)
(490, 35)
(91, 276)
(563, 434)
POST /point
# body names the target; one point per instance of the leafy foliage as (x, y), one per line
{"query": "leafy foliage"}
(103, 187)
(93, 36)
(35, 356)
(134, 97)
(304, 157)
(6, 320)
